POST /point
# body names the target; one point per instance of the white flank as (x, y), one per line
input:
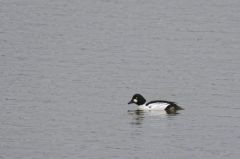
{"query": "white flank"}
(154, 106)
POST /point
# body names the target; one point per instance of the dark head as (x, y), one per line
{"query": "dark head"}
(137, 99)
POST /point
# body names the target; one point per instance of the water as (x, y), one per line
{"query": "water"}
(68, 69)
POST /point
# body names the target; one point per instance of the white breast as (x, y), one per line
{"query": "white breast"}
(154, 106)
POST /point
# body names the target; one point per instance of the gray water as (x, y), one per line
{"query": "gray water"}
(68, 69)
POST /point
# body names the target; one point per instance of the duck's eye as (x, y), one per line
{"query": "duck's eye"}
(135, 100)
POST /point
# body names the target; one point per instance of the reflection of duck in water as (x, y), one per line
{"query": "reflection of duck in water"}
(138, 115)
(160, 105)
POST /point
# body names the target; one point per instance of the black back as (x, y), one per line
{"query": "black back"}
(161, 101)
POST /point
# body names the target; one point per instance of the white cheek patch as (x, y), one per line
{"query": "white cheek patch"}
(135, 100)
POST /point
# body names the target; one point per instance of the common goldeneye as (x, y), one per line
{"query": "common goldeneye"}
(169, 107)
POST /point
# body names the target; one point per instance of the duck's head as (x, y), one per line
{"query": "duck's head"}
(137, 99)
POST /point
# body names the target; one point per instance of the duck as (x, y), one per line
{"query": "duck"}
(158, 105)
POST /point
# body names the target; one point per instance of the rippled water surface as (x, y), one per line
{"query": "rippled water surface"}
(68, 69)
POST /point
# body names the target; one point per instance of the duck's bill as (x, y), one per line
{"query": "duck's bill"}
(130, 102)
